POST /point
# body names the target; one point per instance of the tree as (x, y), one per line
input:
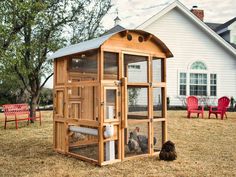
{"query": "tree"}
(46, 97)
(43, 26)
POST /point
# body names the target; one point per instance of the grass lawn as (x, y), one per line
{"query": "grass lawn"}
(205, 147)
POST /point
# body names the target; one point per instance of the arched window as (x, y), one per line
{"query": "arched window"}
(198, 65)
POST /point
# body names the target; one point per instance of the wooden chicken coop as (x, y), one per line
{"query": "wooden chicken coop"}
(110, 97)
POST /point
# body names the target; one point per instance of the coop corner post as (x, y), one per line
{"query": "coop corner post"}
(150, 107)
(101, 108)
(66, 105)
(54, 102)
(164, 123)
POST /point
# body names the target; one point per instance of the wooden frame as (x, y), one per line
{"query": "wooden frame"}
(91, 99)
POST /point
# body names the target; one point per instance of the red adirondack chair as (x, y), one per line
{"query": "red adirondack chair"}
(221, 109)
(192, 106)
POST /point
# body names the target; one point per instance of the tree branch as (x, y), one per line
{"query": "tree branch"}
(22, 78)
(46, 80)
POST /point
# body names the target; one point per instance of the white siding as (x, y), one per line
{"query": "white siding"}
(189, 43)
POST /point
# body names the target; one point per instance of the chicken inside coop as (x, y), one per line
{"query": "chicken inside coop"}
(138, 143)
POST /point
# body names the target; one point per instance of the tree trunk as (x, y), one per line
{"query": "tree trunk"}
(33, 107)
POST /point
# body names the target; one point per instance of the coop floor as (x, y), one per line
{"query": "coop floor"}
(205, 147)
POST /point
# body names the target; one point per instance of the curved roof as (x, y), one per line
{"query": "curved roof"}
(97, 42)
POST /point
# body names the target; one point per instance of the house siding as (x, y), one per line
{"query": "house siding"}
(189, 43)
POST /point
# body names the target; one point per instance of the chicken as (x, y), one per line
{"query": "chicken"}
(168, 151)
(133, 140)
(143, 142)
(137, 142)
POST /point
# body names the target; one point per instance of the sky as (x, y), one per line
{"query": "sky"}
(134, 12)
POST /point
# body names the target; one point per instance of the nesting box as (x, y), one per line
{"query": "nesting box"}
(110, 97)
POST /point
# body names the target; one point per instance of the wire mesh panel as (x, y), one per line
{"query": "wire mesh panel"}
(135, 68)
(83, 141)
(85, 64)
(111, 103)
(111, 150)
(157, 128)
(157, 102)
(137, 102)
(111, 66)
(157, 71)
(136, 139)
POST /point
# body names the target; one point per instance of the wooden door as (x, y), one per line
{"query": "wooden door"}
(59, 120)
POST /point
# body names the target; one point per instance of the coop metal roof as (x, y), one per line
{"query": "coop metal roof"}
(96, 43)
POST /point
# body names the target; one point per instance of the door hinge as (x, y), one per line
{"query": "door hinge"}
(119, 114)
(118, 83)
(118, 93)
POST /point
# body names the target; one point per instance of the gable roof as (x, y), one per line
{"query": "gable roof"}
(213, 26)
(226, 24)
(186, 12)
(97, 42)
(114, 29)
(80, 47)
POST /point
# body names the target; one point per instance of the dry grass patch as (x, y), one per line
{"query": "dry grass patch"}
(205, 147)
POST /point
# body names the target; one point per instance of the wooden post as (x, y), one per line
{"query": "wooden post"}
(164, 123)
(150, 106)
(101, 110)
(54, 101)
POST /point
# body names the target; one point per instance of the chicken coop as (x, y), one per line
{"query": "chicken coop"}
(110, 97)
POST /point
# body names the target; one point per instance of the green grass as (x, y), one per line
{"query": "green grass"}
(205, 147)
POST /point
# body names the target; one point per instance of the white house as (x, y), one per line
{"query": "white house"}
(204, 64)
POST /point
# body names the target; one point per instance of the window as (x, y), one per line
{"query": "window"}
(198, 84)
(197, 81)
(134, 67)
(213, 85)
(182, 86)
(111, 66)
(198, 65)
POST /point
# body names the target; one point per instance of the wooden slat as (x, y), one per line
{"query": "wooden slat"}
(110, 162)
(133, 116)
(159, 119)
(161, 84)
(84, 142)
(132, 51)
(90, 160)
(115, 122)
(124, 102)
(137, 156)
(91, 123)
(132, 121)
(137, 84)
(82, 84)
